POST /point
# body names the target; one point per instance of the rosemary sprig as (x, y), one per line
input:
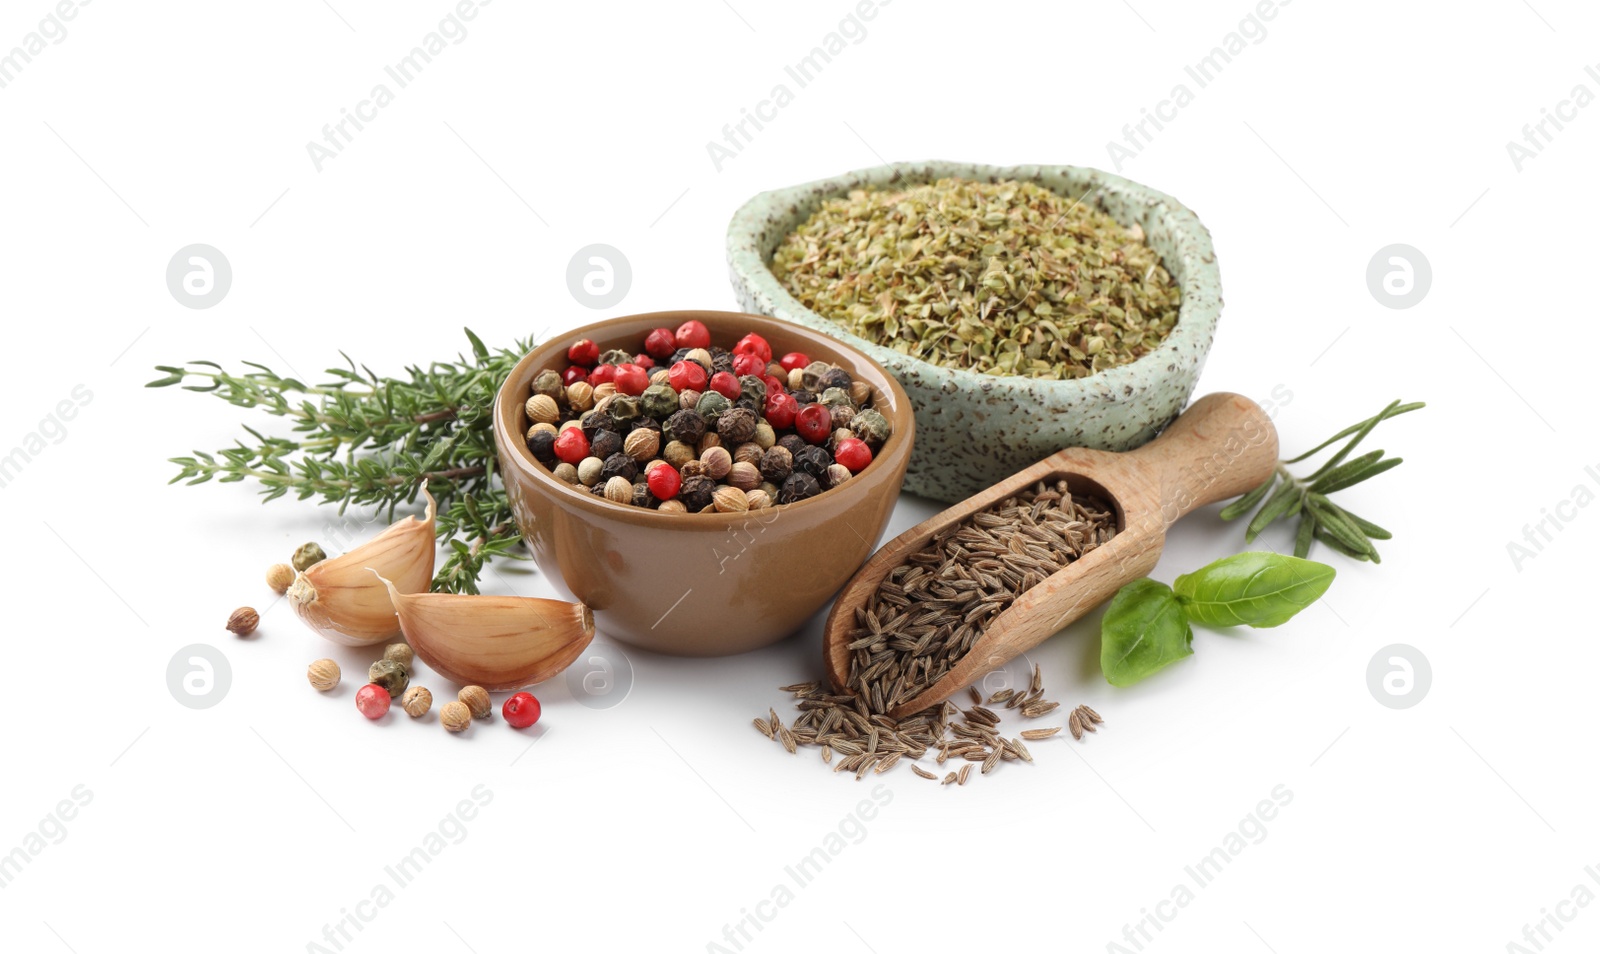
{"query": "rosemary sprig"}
(374, 441)
(1288, 496)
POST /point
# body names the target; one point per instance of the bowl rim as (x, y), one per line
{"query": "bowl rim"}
(510, 441)
(1198, 312)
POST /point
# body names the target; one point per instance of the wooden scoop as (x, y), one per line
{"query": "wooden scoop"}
(1221, 447)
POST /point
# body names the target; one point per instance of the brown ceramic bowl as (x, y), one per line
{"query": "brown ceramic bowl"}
(701, 584)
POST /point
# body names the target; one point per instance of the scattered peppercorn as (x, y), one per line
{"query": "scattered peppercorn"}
(307, 556)
(323, 674)
(243, 621)
(455, 716)
(476, 699)
(279, 576)
(391, 675)
(372, 701)
(521, 710)
(417, 701)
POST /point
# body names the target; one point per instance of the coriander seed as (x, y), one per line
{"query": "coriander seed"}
(243, 621)
(672, 506)
(744, 476)
(835, 475)
(307, 556)
(757, 499)
(604, 391)
(619, 489)
(323, 674)
(641, 445)
(476, 699)
(748, 453)
(417, 701)
(279, 576)
(717, 462)
(580, 396)
(730, 500)
(401, 653)
(455, 716)
(542, 409)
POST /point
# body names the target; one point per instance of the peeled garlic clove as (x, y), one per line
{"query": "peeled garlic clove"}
(497, 642)
(342, 601)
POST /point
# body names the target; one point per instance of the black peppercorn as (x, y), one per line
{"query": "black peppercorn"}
(748, 404)
(842, 415)
(592, 421)
(835, 378)
(543, 446)
(604, 443)
(803, 396)
(736, 425)
(792, 443)
(721, 361)
(798, 487)
(677, 356)
(642, 423)
(599, 490)
(686, 426)
(619, 465)
(642, 496)
(776, 463)
(812, 460)
(696, 492)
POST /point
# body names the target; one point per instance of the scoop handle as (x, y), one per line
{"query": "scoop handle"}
(1222, 446)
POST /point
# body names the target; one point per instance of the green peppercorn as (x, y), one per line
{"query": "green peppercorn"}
(659, 401)
(842, 415)
(623, 410)
(711, 405)
(390, 675)
(753, 389)
(835, 397)
(811, 375)
(307, 556)
(871, 426)
(616, 356)
(549, 384)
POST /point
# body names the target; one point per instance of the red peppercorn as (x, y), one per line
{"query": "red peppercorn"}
(521, 710)
(660, 343)
(664, 482)
(774, 385)
(853, 453)
(631, 379)
(726, 385)
(571, 446)
(744, 364)
(644, 361)
(574, 374)
(693, 334)
(754, 344)
(792, 360)
(687, 376)
(605, 374)
(372, 701)
(814, 422)
(781, 409)
(584, 352)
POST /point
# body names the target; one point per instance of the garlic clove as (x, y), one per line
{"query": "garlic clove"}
(340, 600)
(497, 642)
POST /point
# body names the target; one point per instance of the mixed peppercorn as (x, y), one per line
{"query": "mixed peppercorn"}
(684, 426)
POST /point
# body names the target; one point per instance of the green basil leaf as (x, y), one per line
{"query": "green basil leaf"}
(1252, 589)
(1143, 630)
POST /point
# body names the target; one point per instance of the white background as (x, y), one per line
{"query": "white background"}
(652, 824)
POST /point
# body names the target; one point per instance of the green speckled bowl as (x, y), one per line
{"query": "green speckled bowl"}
(975, 429)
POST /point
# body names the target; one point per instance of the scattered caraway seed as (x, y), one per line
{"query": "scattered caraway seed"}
(961, 776)
(1035, 734)
(1075, 724)
(919, 770)
(949, 778)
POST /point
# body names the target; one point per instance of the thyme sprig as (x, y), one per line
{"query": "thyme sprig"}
(374, 441)
(1288, 496)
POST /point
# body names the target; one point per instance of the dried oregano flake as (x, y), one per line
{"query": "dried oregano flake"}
(1004, 278)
